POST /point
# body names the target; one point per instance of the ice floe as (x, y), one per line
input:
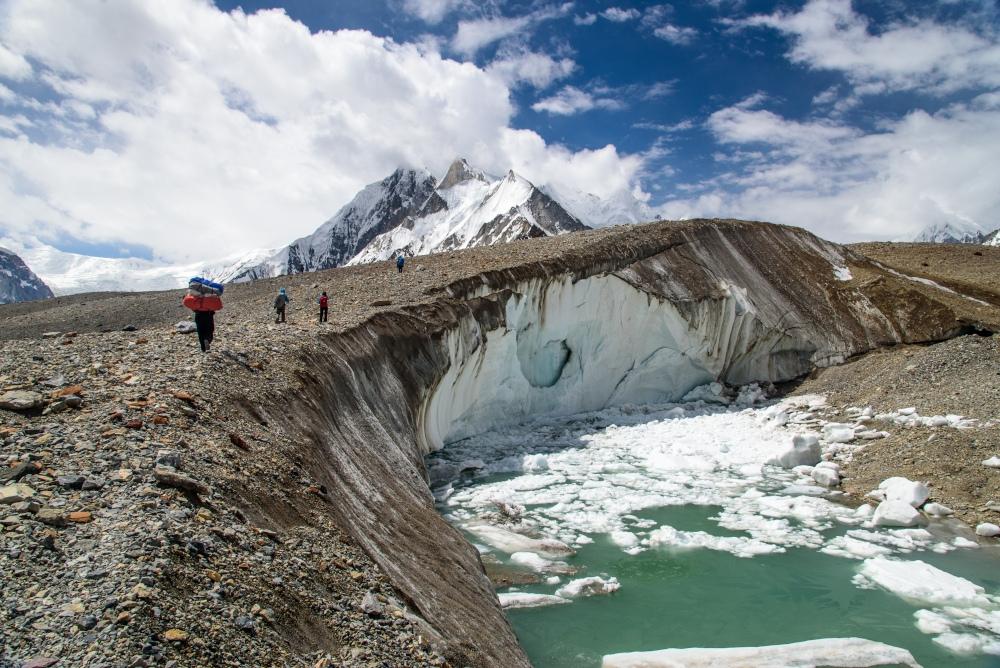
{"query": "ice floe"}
(591, 586)
(517, 599)
(922, 584)
(833, 652)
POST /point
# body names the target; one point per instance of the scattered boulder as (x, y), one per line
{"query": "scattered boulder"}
(371, 606)
(17, 472)
(20, 400)
(51, 516)
(185, 327)
(15, 493)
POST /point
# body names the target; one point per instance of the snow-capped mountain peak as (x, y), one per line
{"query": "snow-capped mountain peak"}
(460, 171)
(470, 208)
(951, 232)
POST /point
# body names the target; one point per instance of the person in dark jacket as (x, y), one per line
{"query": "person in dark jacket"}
(324, 302)
(204, 322)
(280, 302)
(399, 262)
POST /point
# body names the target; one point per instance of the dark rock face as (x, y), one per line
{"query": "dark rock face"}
(17, 282)
(375, 210)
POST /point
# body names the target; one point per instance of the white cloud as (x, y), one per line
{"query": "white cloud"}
(473, 35)
(676, 34)
(619, 15)
(13, 65)
(660, 89)
(201, 133)
(572, 100)
(537, 69)
(933, 57)
(585, 20)
(433, 11)
(846, 184)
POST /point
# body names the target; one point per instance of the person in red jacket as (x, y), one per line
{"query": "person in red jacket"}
(324, 301)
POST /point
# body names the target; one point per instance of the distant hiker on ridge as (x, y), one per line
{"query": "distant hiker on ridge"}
(323, 303)
(280, 302)
(399, 262)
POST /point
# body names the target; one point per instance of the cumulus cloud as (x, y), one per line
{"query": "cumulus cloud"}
(433, 11)
(585, 20)
(918, 54)
(676, 34)
(536, 69)
(201, 132)
(846, 184)
(475, 34)
(619, 15)
(572, 100)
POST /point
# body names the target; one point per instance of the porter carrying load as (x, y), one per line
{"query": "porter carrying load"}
(203, 295)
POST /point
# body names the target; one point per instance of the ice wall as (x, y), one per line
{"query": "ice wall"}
(579, 345)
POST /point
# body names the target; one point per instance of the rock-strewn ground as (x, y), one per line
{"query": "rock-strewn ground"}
(226, 558)
(961, 376)
(152, 516)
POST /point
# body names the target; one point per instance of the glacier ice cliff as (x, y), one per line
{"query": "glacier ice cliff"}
(640, 315)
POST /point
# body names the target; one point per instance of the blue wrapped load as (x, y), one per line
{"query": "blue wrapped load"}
(205, 286)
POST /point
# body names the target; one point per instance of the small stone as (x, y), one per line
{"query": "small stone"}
(51, 516)
(134, 423)
(50, 335)
(175, 635)
(130, 328)
(73, 401)
(171, 478)
(71, 481)
(214, 576)
(67, 391)
(17, 472)
(371, 606)
(80, 516)
(184, 396)
(245, 623)
(357, 575)
(40, 662)
(123, 618)
(93, 483)
(20, 400)
(169, 458)
(15, 493)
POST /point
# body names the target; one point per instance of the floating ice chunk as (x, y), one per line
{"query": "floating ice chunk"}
(964, 644)
(511, 542)
(992, 462)
(588, 587)
(937, 510)
(553, 580)
(531, 560)
(624, 538)
(842, 273)
(804, 450)
(931, 622)
(896, 514)
(904, 490)
(833, 652)
(828, 477)
(987, 529)
(960, 541)
(905, 540)
(668, 536)
(922, 584)
(533, 463)
(852, 548)
(510, 600)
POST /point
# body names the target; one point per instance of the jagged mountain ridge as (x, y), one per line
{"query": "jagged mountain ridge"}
(958, 233)
(17, 282)
(410, 212)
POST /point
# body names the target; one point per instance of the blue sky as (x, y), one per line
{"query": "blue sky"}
(131, 128)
